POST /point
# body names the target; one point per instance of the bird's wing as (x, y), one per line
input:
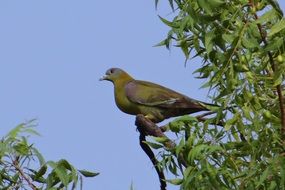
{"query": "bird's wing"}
(150, 94)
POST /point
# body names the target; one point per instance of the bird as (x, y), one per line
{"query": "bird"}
(154, 101)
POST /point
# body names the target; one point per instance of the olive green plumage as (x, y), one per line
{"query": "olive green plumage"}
(152, 100)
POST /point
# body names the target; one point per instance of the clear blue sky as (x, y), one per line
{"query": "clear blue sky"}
(52, 55)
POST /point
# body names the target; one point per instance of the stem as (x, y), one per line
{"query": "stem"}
(26, 178)
(273, 67)
(282, 110)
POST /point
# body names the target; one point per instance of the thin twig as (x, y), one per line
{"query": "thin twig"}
(202, 118)
(26, 178)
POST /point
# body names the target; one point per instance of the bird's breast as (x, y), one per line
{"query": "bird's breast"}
(123, 103)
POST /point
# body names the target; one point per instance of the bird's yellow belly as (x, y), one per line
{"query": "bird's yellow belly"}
(126, 106)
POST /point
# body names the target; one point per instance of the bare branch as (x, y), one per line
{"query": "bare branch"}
(146, 127)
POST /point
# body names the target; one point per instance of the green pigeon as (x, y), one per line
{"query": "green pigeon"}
(154, 101)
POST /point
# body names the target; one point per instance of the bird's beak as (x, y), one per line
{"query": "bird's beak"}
(105, 77)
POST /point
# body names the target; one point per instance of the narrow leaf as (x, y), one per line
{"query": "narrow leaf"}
(86, 173)
(277, 27)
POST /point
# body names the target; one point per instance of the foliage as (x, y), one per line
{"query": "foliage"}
(23, 167)
(242, 46)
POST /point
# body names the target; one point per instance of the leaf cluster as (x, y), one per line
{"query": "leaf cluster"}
(22, 166)
(242, 46)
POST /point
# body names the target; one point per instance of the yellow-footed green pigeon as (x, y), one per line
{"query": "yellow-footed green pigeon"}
(154, 101)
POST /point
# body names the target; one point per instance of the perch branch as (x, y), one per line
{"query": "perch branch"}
(146, 128)
(154, 161)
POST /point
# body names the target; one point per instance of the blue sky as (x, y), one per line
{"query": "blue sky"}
(52, 55)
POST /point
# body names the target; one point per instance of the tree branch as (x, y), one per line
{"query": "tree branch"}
(26, 178)
(273, 67)
(146, 127)
(154, 161)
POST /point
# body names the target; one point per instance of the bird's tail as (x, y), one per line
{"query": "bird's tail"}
(213, 107)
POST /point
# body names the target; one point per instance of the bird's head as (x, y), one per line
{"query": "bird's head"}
(115, 74)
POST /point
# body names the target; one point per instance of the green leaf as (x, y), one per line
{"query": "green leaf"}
(161, 139)
(62, 174)
(168, 23)
(86, 173)
(186, 119)
(278, 77)
(240, 67)
(31, 131)
(153, 145)
(41, 172)
(277, 27)
(23, 128)
(176, 181)
(175, 127)
(250, 43)
(276, 7)
(229, 37)
(232, 121)
(14, 132)
(16, 177)
(64, 163)
(53, 188)
(162, 43)
(180, 146)
(263, 177)
(22, 148)
(266, 17)
(273, 185)
(38, 155)
(184, 46)
(216, 3)
(52, 164)
(282, 171)
(209, 41)
(52, 180)
(197, 152)
(204, 4)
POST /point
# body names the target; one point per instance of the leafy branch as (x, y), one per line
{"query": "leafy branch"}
(16, 156)
(242, 47)
(263, 35)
